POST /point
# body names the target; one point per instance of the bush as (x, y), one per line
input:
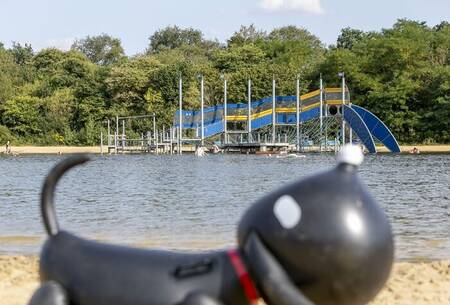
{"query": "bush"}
(5, 135)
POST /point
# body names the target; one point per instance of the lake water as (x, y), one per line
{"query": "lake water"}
(191, 203)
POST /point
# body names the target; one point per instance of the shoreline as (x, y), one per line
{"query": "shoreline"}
(426, 282)
(58, 150)
(444, 148)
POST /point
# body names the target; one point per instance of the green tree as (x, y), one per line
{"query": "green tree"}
(10, 76)
(434, 97)
(166, 81)
(293, 46)
(173, 37)
(441, 44)
(349, 38)
(156, 104)
(238, 57)
(6, 135)
(48, 60)
(22, 54)
(247, 35)
(127, 84)
(21, 115)
(102, 49)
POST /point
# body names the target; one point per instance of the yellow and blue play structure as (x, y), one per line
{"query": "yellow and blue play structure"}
(366, 125)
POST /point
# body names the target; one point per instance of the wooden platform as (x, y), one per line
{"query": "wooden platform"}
(253, 148)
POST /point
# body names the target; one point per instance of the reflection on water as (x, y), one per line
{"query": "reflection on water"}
(189, 202)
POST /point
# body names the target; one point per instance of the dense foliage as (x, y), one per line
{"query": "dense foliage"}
(402, 74)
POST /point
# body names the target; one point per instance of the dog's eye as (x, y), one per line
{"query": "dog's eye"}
(287, 211)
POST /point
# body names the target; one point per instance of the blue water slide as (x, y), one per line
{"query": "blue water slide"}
(378, 129)
(213, 129)
(310, 114)
(285, 118)
(360, 128)
(262, 121)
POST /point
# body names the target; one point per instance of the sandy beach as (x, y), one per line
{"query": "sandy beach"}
(20, 150)
(418, 283)
(422, 148)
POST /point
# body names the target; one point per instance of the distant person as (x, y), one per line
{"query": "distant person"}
(200, 151)
(415, 151)
(8, 148)
(215, 149)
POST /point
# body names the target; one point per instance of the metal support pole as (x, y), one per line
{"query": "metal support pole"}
(350, 140)
(171, 141)
(180, 142)
(180, 129)
(117, 125)
(154, 129)
(326, 123)
(156, 142)
(116, 134)
(101, 142)
(225, 110)
(115, 142)
(297, 105)
(123, 133)
(109, 134)
(249, 110)
(202, 101)
(349, 127)
(274, 117)
(321, 112)
(343, 103)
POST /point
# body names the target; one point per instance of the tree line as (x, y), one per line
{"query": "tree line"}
(50, 97)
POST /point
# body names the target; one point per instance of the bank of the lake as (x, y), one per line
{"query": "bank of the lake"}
(25, 150)
(19, 150)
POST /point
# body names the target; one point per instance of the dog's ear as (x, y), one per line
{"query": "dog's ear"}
(273, 281)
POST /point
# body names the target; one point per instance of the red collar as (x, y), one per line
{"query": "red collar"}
(244, 277)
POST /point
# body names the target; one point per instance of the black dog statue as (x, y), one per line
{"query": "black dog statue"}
(321, 240)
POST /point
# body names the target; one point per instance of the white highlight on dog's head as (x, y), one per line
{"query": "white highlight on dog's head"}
(354, 223)
(351, 154)
(287, 211)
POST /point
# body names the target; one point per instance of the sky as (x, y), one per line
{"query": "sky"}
(57, 23)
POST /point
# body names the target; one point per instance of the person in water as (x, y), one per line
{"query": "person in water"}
(415, 151)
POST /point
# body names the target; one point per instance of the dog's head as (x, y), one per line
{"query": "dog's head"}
(328, 234)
